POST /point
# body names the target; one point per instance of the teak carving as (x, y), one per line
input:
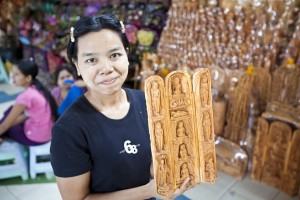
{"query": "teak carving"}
(180, 122)
(284, 96)
(277, 156)
(276, 152)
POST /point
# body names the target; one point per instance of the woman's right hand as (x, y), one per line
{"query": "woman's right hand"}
(179, 191)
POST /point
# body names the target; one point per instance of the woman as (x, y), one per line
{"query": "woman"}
(30, 119)
(101, 146)
(67, 89)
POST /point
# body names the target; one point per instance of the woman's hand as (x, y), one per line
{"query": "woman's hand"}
(179, 191)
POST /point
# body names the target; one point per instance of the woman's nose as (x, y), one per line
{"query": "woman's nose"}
(105, 67)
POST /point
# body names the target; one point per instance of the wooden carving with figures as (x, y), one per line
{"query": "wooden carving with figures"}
(276, 156)
(280, 134)
(291, 177)
(181, 132)
(204, 121)
(258, 154)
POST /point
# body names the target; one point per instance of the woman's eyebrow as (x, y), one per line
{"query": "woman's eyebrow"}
(93, 54)
(114, 49)
(88, 54)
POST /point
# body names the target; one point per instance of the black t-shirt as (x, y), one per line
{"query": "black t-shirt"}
(116, 152)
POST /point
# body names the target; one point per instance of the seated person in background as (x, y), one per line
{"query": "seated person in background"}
(67, 89)
(29, 121)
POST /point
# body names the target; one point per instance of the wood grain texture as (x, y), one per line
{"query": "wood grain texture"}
(175, 134)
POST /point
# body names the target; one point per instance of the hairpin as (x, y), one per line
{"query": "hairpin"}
(122, 27)
(72, 34)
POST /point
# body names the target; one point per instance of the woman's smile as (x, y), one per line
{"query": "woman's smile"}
(109, 81)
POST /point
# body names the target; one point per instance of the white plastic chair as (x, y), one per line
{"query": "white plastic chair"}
(13, 160)
(35, 165)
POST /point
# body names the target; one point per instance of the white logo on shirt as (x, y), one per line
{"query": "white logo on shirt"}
(130, 148)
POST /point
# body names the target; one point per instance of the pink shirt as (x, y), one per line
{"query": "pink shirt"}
(39, 124)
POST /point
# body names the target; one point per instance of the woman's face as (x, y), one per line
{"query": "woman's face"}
(62, 76)
(102, 61)
(19, 79)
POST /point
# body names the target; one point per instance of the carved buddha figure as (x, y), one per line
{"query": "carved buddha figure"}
(206, 126)
(277, 153)
(184, 171)
(180, 131)
(204, 92)
(155, 97)
(176, 86)
(163, 173)
(279, 146)
(183, 152)
(159, 136)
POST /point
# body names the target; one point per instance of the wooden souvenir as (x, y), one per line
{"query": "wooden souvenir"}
(175, 134)
(183, 131)
(285, 83)
(276, 153)
(160, 139)
(291, 176)
(205, 124)
(276, 159)
(231, 158)
(258, 153)
(239, 108)
(285, 94)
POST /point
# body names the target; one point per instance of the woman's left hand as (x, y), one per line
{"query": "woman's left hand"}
(179, 191)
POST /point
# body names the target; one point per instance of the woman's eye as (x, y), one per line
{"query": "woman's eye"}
(91, 60)
(115, 55)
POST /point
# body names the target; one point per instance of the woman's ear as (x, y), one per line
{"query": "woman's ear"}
(28, 78)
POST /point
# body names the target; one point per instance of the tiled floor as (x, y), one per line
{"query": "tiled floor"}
(226, 187)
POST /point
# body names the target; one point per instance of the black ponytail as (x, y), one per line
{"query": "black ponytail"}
(29, 67)
(53, 106)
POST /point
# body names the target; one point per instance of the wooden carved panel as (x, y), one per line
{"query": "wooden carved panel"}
(205, 126)
(291, 181)
(176, 133)
(258, 153)
(285, 83)
(160, 139)
(276, 156)
(276, 153)
(183, 132)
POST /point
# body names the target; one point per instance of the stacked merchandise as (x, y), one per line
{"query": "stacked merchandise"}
(245, 44)
(9, 45)
(43, 27)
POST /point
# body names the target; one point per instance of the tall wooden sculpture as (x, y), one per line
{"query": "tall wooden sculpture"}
(276, 158)
(284, 98)
(180, 122)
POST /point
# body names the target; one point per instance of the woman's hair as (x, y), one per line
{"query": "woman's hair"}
(62, 68)
(30, 68)
(93, 24)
